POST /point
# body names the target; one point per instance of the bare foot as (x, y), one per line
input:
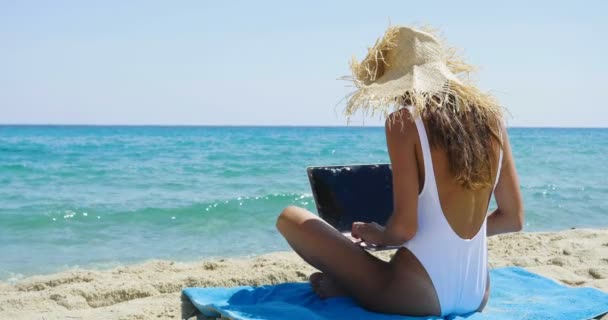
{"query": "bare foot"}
(324, 286)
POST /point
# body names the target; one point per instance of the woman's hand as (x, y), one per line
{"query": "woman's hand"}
(371, 233)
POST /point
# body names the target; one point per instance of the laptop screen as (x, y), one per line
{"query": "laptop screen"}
(345, 194)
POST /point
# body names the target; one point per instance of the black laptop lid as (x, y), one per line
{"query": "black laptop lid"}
(345, 194)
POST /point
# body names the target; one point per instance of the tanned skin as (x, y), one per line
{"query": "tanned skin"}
(401, 285)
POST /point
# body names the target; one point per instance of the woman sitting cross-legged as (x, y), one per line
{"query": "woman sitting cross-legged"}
(449, 151)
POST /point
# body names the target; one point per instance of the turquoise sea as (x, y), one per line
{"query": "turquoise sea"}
(95, 197)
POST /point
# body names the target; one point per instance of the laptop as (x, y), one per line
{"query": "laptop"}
(348, 193)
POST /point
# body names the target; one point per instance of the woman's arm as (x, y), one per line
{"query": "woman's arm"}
(509, 216)
(402, 225)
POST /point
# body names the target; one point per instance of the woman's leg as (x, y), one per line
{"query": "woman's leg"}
(363, 276)
(324, 286)
(401, 286)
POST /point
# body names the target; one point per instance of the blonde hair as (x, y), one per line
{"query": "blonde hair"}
(415, 67)
(468, 135)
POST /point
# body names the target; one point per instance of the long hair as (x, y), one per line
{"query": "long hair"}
(467, 133)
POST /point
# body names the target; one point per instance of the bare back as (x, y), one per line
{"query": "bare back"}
(465, 210)
(404, 284)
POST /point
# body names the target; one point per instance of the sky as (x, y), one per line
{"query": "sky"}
(278, 62)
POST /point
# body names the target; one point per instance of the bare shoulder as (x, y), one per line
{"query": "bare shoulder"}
(400, 126)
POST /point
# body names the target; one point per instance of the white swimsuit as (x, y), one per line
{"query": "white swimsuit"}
(457, 267)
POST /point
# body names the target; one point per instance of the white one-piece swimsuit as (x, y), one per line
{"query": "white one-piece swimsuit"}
(457, 267)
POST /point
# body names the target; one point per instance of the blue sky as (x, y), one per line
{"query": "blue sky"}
(276, 62)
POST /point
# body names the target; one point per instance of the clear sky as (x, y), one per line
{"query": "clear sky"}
(276, 62)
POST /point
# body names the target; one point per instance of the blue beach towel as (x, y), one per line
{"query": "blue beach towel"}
(516, 294)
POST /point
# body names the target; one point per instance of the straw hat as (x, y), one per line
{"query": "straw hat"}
(413, 62)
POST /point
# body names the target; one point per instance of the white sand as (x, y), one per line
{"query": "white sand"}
(152, 290)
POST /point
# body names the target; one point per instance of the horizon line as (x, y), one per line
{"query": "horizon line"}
(255, 125)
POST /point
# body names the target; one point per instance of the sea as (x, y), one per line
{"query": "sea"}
(95, 197)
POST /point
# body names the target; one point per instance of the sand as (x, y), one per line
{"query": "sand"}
(151, 290)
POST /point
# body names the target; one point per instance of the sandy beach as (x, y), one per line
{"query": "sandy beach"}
(151, 290)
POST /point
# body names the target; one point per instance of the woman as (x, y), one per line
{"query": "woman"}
(449, 152)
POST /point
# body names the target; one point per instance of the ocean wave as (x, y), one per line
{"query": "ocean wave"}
(231, 209)
(15, 167)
